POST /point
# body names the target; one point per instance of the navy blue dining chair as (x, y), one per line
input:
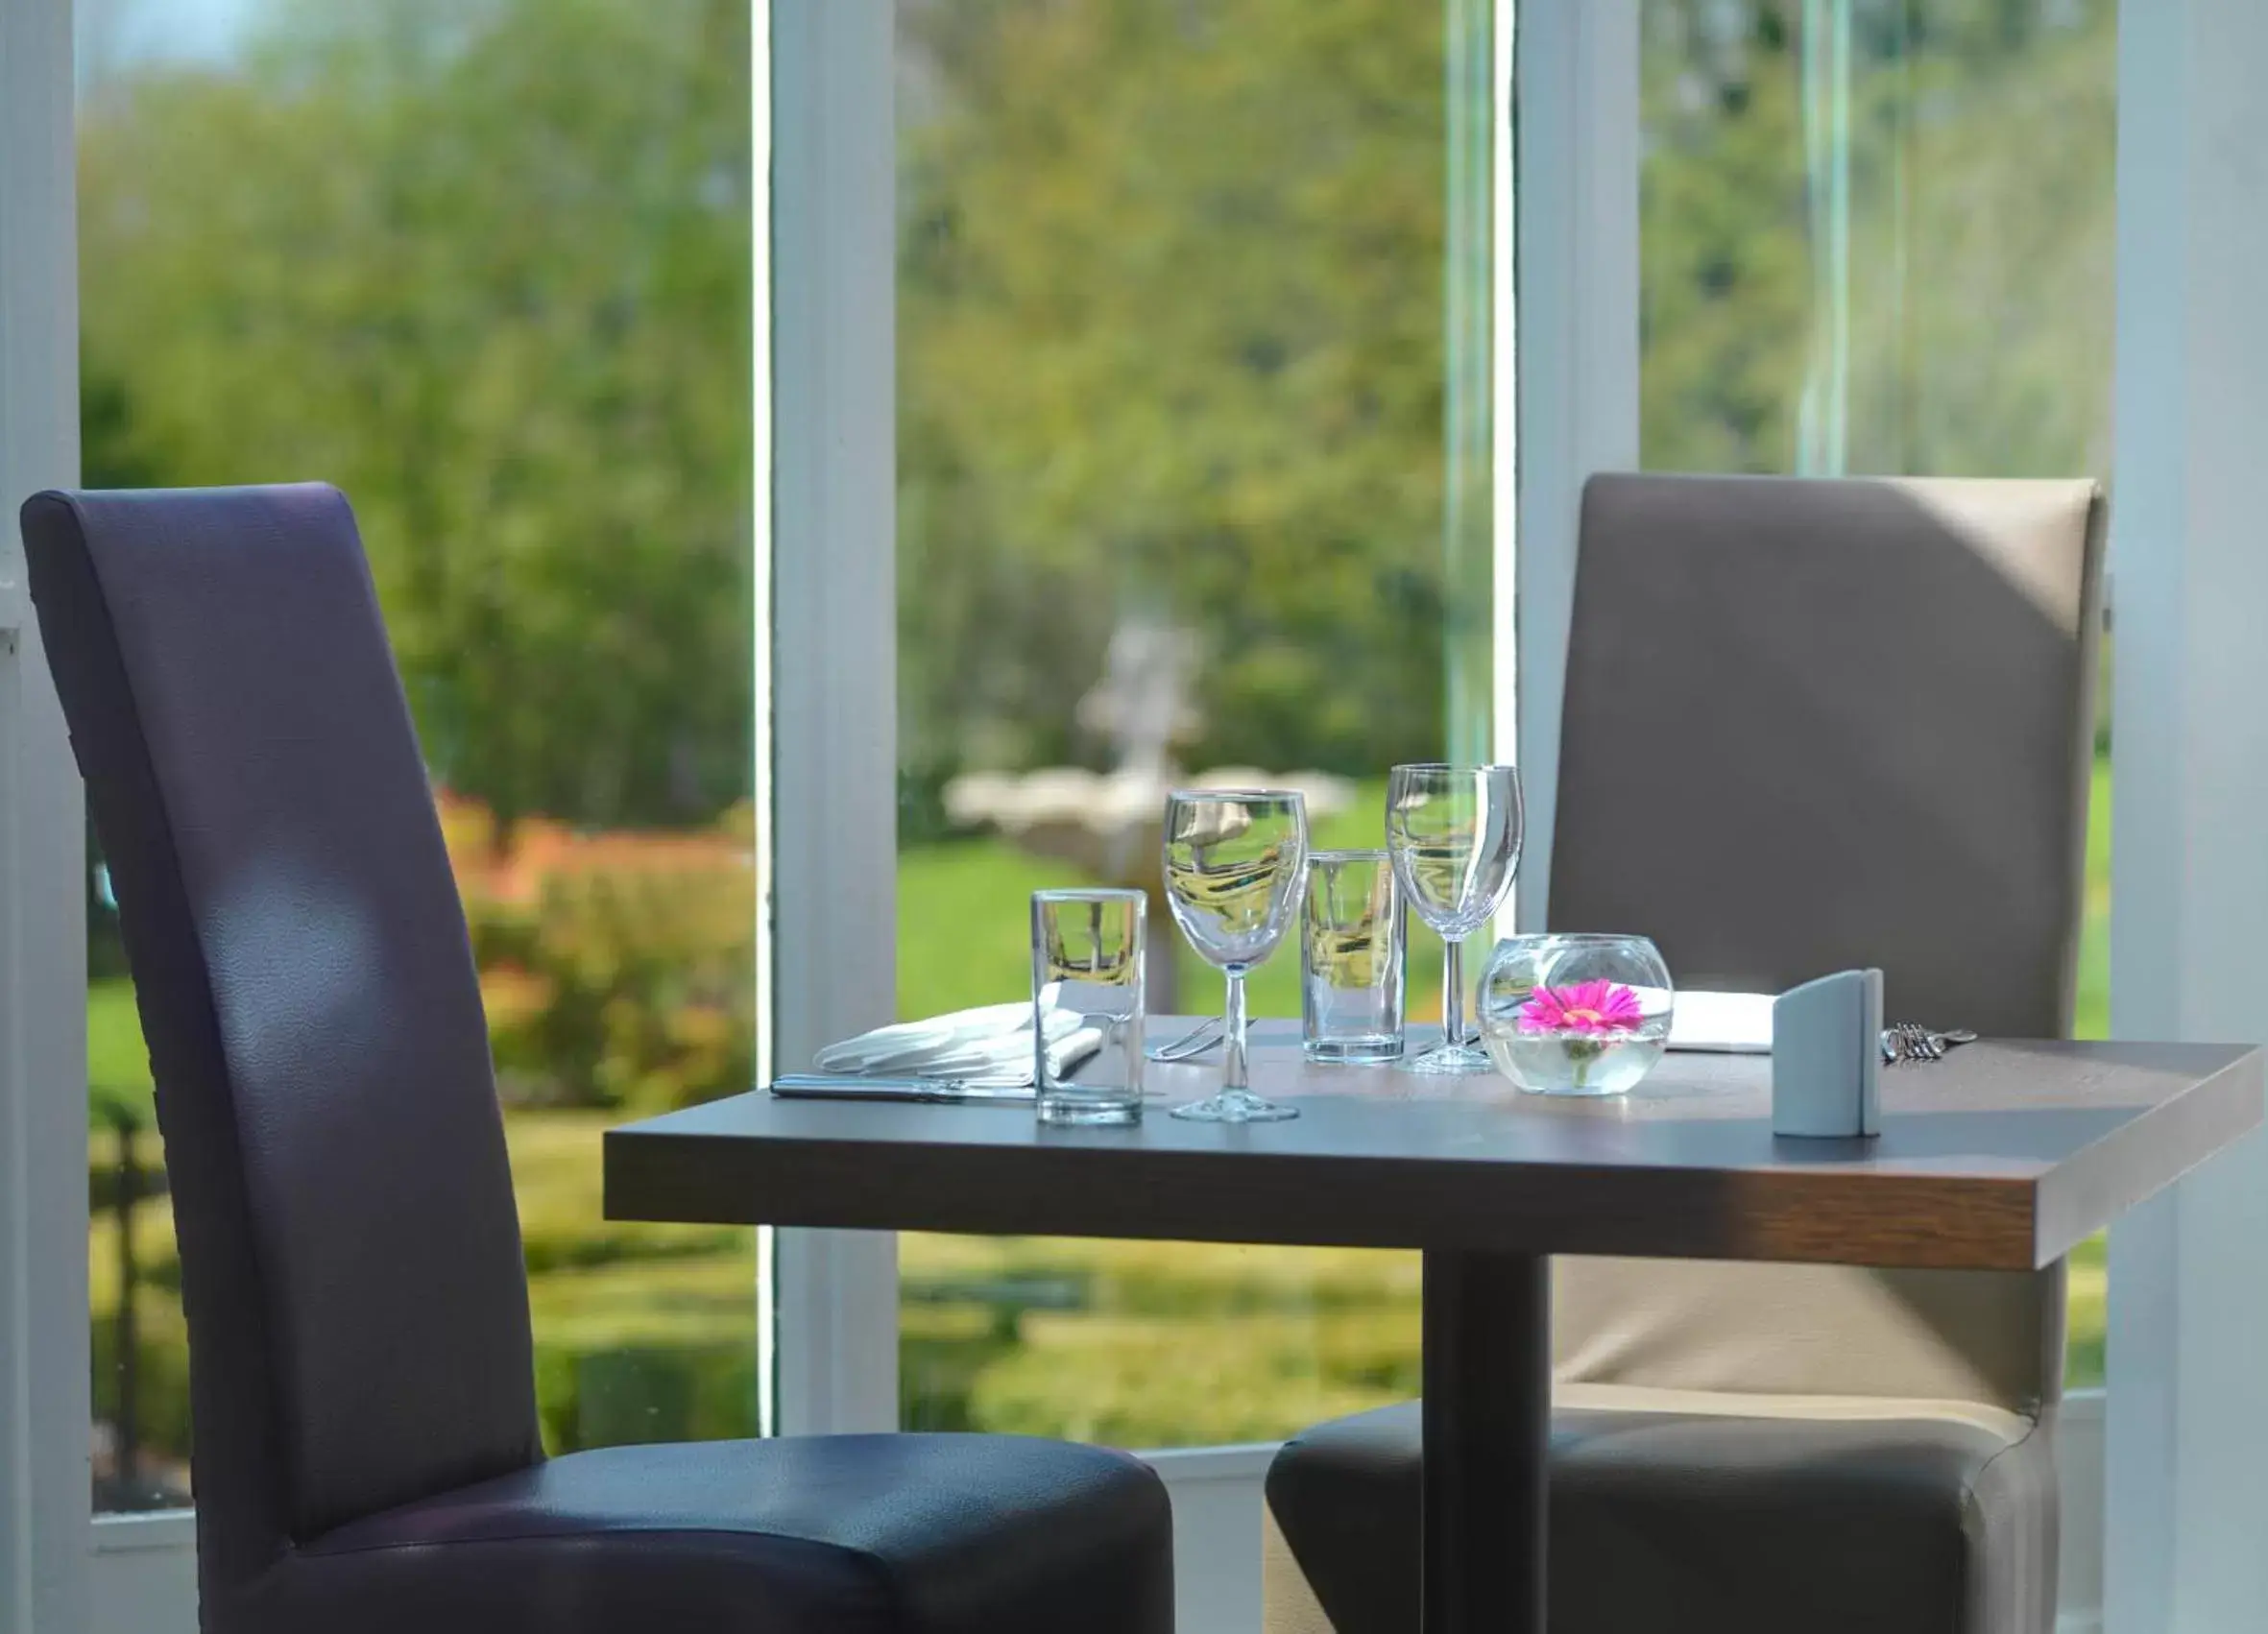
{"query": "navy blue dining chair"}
(365, 1449)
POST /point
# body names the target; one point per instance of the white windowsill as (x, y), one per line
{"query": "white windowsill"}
(163, 1528)
(1246, 1461)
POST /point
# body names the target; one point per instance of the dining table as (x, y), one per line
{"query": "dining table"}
(2005, 1155)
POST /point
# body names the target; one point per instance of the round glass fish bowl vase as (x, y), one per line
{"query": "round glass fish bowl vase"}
(1575, 1015)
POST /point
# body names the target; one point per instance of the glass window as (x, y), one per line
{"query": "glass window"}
(486, 265)
(1176, 483)
(1877, 237)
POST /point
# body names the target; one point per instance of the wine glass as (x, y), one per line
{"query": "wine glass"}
(1234, 862)
(1454, 833)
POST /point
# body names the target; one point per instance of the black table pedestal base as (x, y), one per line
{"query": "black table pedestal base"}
(1488, 1435)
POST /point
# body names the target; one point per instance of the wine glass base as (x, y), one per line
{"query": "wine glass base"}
(1235, 1106)
(1450, 1058)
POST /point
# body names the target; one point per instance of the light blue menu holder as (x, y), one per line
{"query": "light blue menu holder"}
(1826, 1057)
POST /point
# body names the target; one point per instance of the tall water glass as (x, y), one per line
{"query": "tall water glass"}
(1086, 958)
(1234, 859)
(1454, 833)
(1350, 958)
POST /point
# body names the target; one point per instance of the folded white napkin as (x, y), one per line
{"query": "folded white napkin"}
(991, 1045)
(1734, 1023)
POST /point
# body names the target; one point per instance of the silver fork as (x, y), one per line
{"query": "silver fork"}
(1192, 1043)
(1909, 1041)
(1898, 1045)
(1917, 1042)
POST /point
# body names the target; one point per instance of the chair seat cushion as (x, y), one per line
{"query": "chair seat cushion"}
(856, 1534)
(1696, 1522)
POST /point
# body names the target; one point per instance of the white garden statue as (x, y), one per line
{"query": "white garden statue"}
(1109, 824)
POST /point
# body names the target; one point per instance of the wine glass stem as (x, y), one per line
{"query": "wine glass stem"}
(1235, 1071)
(1453, 992)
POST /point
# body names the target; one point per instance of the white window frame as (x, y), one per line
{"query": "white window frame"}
(829, 338)
(1574, 383)
(44, 1477)
(2188, 1431)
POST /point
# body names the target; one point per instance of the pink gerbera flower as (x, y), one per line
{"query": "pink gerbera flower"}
(1586, 1007)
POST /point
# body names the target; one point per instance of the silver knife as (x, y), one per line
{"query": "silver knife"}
(856, 1085)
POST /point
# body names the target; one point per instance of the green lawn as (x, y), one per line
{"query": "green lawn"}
(964, 938)
(648, 1332)
(117, 1065)
(2093, 1020)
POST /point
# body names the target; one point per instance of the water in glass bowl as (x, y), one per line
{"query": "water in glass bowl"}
(1578, 1064)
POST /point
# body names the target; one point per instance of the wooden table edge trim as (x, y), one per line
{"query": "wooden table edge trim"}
(1821, 1214)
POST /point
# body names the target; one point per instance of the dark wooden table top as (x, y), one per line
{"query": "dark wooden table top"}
(2003, 1156)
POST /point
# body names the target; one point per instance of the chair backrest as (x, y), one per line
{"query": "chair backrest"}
(351, 1253)
(1814, 725)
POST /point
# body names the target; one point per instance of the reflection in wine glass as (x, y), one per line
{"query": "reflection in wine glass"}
(1454, 833)
(1234, 859)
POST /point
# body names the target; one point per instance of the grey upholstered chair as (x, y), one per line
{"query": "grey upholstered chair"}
(1808, 724)
(366, 1447)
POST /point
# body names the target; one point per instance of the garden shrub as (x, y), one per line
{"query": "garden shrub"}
(618, 969)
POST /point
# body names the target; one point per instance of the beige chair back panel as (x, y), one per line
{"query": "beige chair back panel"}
(1813, 725)
(1810, 1329)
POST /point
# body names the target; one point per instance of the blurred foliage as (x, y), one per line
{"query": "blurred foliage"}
(485, 265)
(1978, 278)
(1170, 340)
(619, 970)
(1170, 323)
(1149, 1343)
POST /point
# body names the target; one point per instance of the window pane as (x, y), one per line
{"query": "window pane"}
(1171, 496)
(486, 265)
(1878, 237)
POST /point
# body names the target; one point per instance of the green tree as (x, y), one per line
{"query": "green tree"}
(1981, 138)
(1171, 313)
(484, 264)
(1170, 339)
